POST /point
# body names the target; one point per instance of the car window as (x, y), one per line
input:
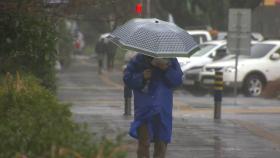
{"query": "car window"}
(199, 38)
(193, 51)
(220, 53)
(220, 49)
(204, 48)
(221, 36)
(223, 47)
(260, 50)
(204, 39)
(253, 38)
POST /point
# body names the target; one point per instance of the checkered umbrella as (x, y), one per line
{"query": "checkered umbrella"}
(153, 37)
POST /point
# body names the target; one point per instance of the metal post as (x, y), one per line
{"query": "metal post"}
(218, 94)
(236, 58)
(141, 14)
(148, 11)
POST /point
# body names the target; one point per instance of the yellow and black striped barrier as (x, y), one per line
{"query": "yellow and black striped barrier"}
(218, 83)
(218, 94)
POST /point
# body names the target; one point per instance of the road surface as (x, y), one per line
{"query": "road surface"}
(249, 127)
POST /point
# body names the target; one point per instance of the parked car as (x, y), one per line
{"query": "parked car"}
(198, 60)
(208, 52)
(200, 36)
(200, 57)
(255, 36)
(254, 71)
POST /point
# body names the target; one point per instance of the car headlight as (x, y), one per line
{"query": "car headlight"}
(229, 69)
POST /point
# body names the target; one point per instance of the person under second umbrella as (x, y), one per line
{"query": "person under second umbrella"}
(152, 105)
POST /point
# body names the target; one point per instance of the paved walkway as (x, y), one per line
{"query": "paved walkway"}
(97, 100)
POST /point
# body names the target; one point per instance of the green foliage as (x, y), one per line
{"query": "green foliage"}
(27, 44)
(245, 4)
(103, 16)
(35, 124)
(204, 12)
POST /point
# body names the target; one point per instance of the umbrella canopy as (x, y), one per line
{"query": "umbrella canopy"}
(153, 37)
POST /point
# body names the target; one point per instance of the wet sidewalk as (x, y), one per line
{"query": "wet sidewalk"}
(98, 101)
(192, 137)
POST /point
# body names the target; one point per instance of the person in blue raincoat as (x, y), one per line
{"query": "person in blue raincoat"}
(152, 84)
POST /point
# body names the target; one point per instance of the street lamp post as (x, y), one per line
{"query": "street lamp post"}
(148, 8)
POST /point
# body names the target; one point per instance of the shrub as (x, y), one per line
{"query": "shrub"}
(31, 42)
(35, 124)
(28, 44)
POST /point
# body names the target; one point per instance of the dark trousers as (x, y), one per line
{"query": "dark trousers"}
(100, 66)
(127, 93)
(110, 61)
(144, 144)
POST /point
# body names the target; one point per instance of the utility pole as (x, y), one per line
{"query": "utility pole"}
(143, 13)
(238, 26)
(148, 8)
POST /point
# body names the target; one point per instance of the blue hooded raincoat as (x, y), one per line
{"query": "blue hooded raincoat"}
(157, 100)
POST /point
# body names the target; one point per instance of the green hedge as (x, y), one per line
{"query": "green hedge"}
(28, 44)
(35, 124)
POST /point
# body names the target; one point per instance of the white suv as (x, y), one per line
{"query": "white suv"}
(254, 71)
(205, 54)
(200, 36)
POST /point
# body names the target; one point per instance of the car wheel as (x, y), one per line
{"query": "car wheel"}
(253, 85)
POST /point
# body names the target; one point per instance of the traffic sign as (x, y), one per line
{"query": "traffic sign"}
(239, 31)
(239, 36)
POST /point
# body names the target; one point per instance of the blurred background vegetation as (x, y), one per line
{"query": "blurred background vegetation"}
(33, 32)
